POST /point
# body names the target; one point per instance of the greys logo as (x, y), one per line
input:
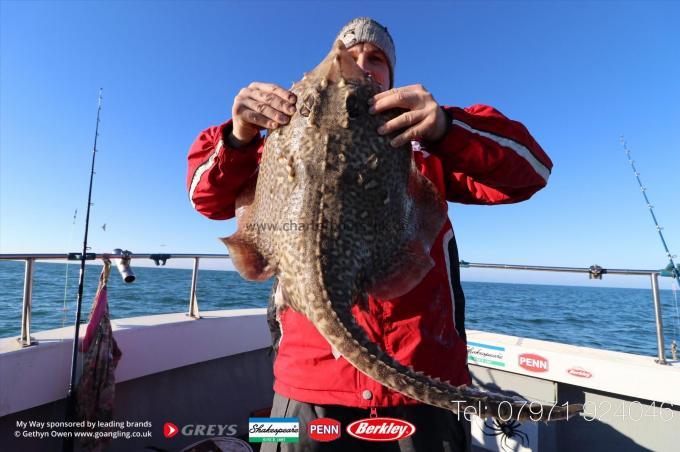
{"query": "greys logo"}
(209, 430)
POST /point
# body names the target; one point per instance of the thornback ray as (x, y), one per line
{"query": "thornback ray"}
(337, 214)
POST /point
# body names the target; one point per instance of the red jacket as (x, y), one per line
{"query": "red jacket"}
(484, 158)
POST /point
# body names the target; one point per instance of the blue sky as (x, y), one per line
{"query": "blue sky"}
(578, 75)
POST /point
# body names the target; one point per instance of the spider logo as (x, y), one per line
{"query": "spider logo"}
(509, 430)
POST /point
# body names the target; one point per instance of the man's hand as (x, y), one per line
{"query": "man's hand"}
(424, 119)
(259, 106)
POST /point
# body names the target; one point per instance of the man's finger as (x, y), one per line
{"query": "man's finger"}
(265, 110)
(402, 121)
(255, 118)
(389, 92)
(394, 90)
(273, 100)
(398, 99)
(274, 89)
(406, 137)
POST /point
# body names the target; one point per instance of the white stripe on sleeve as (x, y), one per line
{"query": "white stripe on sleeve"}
(518, 148)
(205, 166)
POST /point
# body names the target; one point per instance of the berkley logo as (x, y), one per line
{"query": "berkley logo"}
(381, 429)
(324, 429)
(533, 363)
(579, 372)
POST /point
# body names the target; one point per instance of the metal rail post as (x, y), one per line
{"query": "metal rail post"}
(25, 338)
(193, 300)
(659, 323)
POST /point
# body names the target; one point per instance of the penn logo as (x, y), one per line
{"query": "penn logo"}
(533, 363)
(324, 429)
(381, 429)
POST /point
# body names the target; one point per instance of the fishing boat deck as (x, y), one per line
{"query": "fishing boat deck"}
(216, 368)
(185, 370)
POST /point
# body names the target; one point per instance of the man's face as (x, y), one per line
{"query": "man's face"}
(373, 61)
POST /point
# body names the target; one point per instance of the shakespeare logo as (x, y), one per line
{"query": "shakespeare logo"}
(272, 429)
(486, 354)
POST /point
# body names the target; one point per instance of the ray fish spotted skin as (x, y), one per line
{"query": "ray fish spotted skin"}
(337, 214)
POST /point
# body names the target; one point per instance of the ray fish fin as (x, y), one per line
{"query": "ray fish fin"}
(412, 262)
(429, 211)
(248, 261)
(411, 265)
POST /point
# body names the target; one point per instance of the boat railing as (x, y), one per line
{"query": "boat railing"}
(158, 258)
(593, 272)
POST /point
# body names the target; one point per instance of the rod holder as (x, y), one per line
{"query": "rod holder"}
(123, 265)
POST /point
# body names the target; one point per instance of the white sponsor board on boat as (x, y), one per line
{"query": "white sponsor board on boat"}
(615, 372)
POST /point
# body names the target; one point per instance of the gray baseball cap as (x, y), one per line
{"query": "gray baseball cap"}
(365, 29)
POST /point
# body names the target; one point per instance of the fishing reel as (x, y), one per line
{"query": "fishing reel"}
(123, 265)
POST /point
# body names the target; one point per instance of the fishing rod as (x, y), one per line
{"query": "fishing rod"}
(674, 271)
(67, 445)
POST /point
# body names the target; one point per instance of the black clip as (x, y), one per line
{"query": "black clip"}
(160, 258)
(595, 272)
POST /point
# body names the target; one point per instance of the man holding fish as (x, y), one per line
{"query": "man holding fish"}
(473, 155)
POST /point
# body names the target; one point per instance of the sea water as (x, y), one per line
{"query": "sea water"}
(608, 318)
